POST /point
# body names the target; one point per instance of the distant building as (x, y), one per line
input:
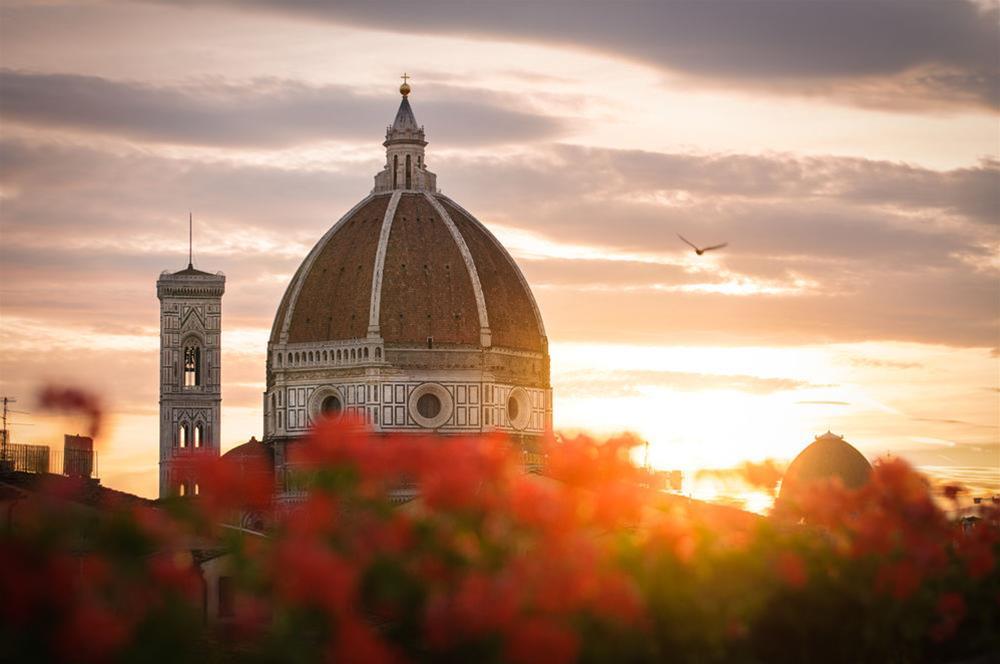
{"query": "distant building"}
(20, 489)
(78, 456)
(828, 456)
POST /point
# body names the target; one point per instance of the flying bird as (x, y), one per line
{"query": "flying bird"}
(700, 250)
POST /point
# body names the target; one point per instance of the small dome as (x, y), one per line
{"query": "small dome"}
(828, 456)
(251, 453)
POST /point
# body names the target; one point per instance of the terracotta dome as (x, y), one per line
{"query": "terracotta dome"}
(828, 456)
(425, 269)
(410, 316)
(252, 454)
(407, 265)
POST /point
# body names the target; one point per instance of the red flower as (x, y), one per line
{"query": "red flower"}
(792, 569)
(900, 579)
(356, 643)
(73, 400)
(979, 562)
(322, 578)
(92, 634)
(951, 491)
(951, 611)
(536, 640)
(764, 475)
(227, 484)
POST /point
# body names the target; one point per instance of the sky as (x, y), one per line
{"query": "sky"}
(848, 152)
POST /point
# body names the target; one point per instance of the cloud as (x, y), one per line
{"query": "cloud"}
(125, 376)
(815, 253)
(883, 364)
(884, 54)
(66, 187)
(954, 311)
(961, 423)
(263, 112)
(888, 251)
(674, 182)
(783, 216)
(597, 383)
(561, 272)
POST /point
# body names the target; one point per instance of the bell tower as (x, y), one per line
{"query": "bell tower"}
(190, 373)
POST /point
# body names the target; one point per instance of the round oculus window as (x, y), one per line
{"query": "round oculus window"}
(519, 408)
(331, 405)
(429, 405)
(512, 408)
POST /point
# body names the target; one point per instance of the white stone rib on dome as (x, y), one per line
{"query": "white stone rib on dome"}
(470, 265)
(503, 250)
(383, 244)
(306, 266)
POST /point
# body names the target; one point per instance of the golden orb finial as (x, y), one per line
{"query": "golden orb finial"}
(404, 89)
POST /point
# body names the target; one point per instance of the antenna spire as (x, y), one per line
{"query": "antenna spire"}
(190, 240)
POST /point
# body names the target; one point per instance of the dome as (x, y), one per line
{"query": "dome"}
(410, 266)
(410, 316)
(252, 454)
(828, 456)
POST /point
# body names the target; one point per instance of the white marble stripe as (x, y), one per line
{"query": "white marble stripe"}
(303, 272)
(470, 265)
(503, 250)
(383, 243)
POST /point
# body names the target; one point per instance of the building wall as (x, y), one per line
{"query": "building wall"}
(381, 387)
(475, 388)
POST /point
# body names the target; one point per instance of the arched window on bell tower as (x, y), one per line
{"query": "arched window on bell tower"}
(183, 435)
(192, 365)
(199, 434)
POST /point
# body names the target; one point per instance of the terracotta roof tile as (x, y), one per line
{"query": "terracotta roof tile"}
(334, 300)
(426, 290)
(508, 304)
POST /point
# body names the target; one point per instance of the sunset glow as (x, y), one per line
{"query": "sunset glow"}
(858, 197)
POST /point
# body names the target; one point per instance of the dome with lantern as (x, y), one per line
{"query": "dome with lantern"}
(409, 314)
(829, 456)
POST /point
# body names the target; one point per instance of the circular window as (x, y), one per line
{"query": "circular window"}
(519, 408)
(331, 405)
(325, 401)
(430, 405)
(512, 408)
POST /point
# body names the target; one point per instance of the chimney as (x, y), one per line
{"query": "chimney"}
(78, 456)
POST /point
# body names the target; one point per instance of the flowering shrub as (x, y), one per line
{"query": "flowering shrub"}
(489, 563)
